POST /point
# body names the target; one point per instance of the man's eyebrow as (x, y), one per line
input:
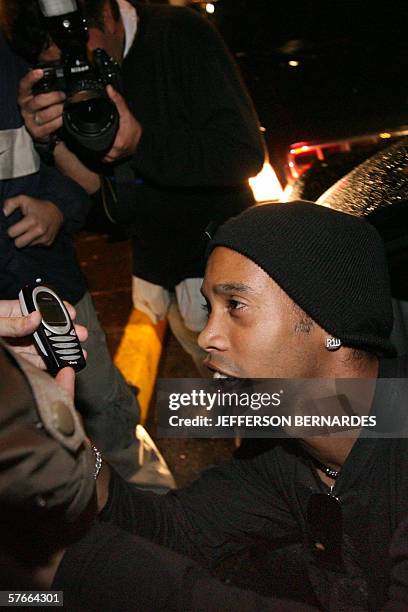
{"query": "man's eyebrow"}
(232, 288)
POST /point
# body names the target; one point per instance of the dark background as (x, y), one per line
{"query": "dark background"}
(351, 76)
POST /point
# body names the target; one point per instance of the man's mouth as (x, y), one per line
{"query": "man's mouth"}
(218, 374)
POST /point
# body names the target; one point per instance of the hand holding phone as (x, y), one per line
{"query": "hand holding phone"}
(55, 338)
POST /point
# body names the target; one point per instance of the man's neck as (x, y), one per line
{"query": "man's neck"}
(333, 451)
(330, 451)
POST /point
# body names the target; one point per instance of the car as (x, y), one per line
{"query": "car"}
(328, 79)
(312, 167)
(377, 190)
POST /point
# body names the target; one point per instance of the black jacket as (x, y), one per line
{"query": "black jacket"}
(259, 501)
(200, 142)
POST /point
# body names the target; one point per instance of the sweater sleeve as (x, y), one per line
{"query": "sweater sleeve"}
(212, 138)
(398, 592)
(211, 519)
(112, 570)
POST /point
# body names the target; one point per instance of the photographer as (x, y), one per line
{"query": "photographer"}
(40, 209)
(188, 140)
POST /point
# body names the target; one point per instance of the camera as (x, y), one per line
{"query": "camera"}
(90, 118)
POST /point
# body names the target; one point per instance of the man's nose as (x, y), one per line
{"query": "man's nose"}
(51, 54)
(212, 336)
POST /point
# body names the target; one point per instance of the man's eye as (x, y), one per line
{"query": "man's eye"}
(235, 305)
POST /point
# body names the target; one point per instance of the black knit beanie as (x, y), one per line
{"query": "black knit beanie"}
(329, 263)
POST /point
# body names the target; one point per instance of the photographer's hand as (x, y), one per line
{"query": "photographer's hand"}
(129, 132)
(42, 114)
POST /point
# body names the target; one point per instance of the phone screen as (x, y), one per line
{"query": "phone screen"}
(50, 309)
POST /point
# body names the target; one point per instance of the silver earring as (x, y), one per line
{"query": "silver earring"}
(332, 344)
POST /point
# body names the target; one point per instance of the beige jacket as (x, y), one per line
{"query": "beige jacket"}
(45, 462)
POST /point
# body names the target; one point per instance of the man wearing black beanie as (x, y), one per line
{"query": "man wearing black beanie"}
(293, 291)
(330, 264)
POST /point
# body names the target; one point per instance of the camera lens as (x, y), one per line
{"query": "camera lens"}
(92, 116)
(92, 121)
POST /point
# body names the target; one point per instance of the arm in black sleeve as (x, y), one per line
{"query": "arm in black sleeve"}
(67, 195)
(212, 137)
(398, 593)
(112, 570)
(219, 514)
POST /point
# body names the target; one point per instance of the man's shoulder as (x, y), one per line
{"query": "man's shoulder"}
(402, 366)
(394, 367)
(12, 68)
(11, 64)
(173, 17)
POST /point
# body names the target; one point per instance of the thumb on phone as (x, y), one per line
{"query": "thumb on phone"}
(66, 379)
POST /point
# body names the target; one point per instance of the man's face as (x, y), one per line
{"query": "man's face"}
(111, 39)
(254, 329)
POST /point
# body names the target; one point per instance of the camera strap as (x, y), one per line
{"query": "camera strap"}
(119, 197)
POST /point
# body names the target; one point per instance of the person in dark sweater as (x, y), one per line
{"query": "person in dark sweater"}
(40, 210)
(328, 515)
(188, 140)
